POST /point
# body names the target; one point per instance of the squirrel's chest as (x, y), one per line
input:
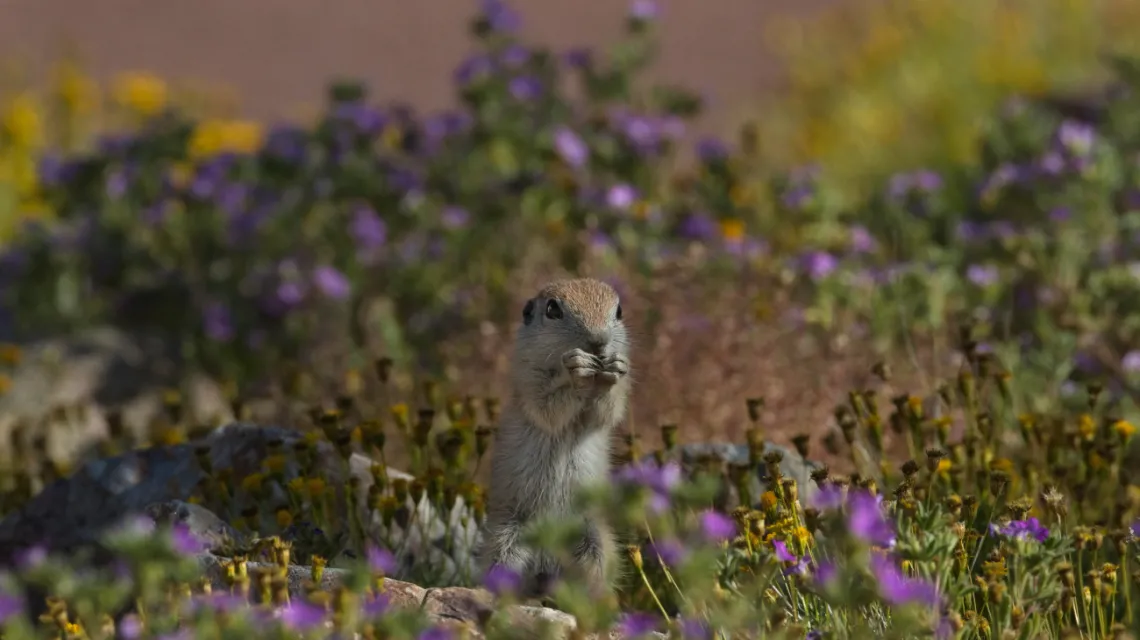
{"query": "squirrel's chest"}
(586, 461)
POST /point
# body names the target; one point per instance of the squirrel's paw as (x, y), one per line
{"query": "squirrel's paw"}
(581, 366)
(614, 368)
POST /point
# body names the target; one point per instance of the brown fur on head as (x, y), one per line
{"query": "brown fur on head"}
(591, 301)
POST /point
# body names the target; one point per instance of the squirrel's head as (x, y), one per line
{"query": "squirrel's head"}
(582, 313)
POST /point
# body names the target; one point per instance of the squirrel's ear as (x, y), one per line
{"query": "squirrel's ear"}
(528, 312)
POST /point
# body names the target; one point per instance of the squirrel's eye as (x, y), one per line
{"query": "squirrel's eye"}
(528, 312)
(617, 314)
(553, 311)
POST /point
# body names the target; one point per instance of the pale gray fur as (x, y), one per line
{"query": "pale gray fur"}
(570, 387)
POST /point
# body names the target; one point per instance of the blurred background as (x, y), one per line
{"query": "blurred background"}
(277, 56)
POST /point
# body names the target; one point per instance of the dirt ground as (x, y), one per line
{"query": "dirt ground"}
(278, 54)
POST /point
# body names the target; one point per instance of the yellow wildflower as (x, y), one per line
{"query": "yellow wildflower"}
(316, 487)
(400, 413)
(732, 229)
(275, 464)
(284, 518)
(180, 173)
(5, 383)
(1124, 429)
(353, 382)
(768, 501)
(741, 195)
(217, 136)
(10, 354)
(22, 123)
(392, 137)
(77, 92)
(1086, 426)
(297, 485)
(252, 483)
(143, 93)
(943, 466)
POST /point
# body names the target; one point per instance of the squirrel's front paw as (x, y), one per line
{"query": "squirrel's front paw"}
(583, 367)
(614, 368)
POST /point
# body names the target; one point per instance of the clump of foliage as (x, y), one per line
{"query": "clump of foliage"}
(917, 81)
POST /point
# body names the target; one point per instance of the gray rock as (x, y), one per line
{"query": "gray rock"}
(214, 532)
(793, 465)
(75, 511)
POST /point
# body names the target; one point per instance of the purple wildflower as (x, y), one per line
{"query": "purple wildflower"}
(717, 526)
(578, 57)
(671, 552)
(302, 616)
(644, 10)
(861, 240)
(10, 606)
(570, 147)
(186, 541)
(31, 557)
(500, 17)
(798, 196)
(902, 185)
(376, 605)
(220, 602)
(819, 264)
(621, 196)
(660, 481)
(290, 293)
(825, 573)
(1131, 361)
(599, 240)
(866, 520)
(331, 282)
(129, 628)
(640, 131)
(368, 230)
(501, 580)
(898, 589)
(218, 322)
(285, 142)
(982, 275)
(381, 560)
(1075, 137)
(455, 217)
(698, 226)
(638, 624)
(782, 553)
(814, 635)
(927, 181)
(695, 629)
(829, 496)
(525, 88)
(1051, 164)
(362, 118)
(117, 184)
(514, 56)
(1022, 529)
(473, 68)
(436, 633)
(1060, 214)
(711, 149)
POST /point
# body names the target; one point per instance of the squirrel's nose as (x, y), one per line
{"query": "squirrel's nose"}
(596, 344)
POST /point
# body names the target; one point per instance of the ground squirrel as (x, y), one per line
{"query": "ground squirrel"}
(570, 384)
